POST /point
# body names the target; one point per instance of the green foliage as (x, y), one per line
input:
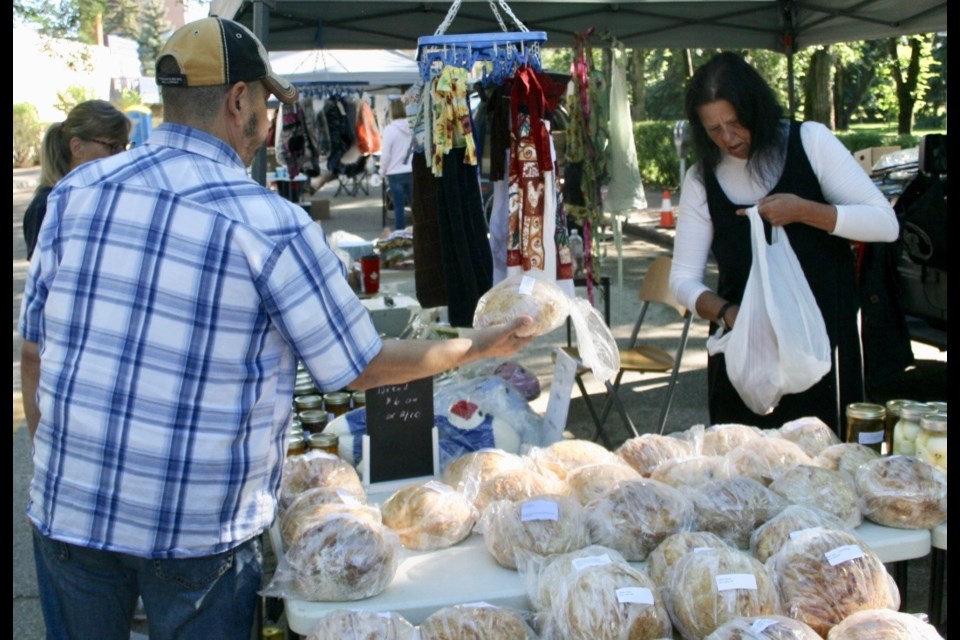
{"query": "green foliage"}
(128, 98)
(71, 97)
(71, 19)
(122, 17)
(27, 133)
(153, 33)
(657, 155)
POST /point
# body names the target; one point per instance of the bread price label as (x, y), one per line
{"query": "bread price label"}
(729, 581)
(539, 510)
(590, 561)
(526, 285)
(843, 554)
(634, 595)
(870, 437)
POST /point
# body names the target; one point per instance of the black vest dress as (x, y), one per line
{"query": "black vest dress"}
(827, 262)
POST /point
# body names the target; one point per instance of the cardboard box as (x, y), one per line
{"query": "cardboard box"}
(320, 209)
(869, 156)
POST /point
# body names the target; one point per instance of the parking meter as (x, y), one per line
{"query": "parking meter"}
(681, 140)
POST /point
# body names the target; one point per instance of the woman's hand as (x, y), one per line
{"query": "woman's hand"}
(781, 209)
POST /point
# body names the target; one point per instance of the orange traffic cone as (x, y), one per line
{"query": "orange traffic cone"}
(666, 211)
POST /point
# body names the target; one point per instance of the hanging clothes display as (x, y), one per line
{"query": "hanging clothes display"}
(299, 152)
(340, 128)
(625, 191)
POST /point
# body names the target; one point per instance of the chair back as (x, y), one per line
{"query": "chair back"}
(656, 285)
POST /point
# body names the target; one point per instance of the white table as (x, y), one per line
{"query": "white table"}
(430, 580)
(938, 560)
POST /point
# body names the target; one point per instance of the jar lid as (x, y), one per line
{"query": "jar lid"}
(337, 397)
(296, 442)
(893, 406)
(304, 388)
(914, 411)
(324, 439)
(938, 406)
(313, 417)
(359, 397)
(934, 422)
(865, 411)
(309, 402)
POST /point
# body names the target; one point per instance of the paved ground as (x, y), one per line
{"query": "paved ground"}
(642, 242)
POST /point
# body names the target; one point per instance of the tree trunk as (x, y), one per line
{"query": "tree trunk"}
(818, 94)
(841, 116)
(638, 85)
(906, 84)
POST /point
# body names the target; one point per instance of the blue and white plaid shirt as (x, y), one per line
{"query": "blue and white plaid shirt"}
(171, 297)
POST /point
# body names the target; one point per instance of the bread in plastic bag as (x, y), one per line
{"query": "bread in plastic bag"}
(903, 492)
(769, 537)
(814, 486)
(606, 601)
(540, 574)
(466, 472)
(342, 624)
(636, 515)
(530, 294)
(645, 452)
(733, 508)
(565, 455)
(825, 575)
(691, 471)
(675, 546)
(474, 621)
(340, 557)
(429, 515)
(593, 480)
(845, 457)
(721, 439)
(707, 588)
(883, 624)
(765, 459)
(811, 433)
(515, 485)
(316, 468)
(542, 524)
(770, 627)
(301, 516)
(596, 345)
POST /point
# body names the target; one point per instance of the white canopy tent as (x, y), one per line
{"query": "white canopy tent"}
(373, 68)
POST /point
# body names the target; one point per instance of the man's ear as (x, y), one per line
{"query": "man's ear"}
(235, 98)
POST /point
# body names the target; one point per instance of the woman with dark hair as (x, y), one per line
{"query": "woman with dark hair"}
(801, 178)
(93, 129)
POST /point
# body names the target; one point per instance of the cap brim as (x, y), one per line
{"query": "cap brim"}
(282, 88)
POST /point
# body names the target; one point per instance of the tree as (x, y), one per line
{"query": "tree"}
(122, 17)
(638, 84)
(71, 19)
(74, 95)
(152, 34)
(817, 90)
(910, 61)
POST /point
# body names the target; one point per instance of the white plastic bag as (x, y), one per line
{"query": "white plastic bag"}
(779, 344)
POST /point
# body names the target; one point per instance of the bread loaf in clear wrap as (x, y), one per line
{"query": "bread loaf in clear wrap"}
(765, 459)
(769, 537)
(811, 433)
(675, 546)
(316, 469)
(721, 439)
(691, 471)
(429, 515)
(845, 457)
(814, 486)
(542, 524)
(733, 508)
(312, 501)
(534, 294)
(360, 625)
(475, 621)
(825, 575)
(763, 628)
(646, 452)
(709, 587)
(903, 492)
(883, 624)
(593, 480)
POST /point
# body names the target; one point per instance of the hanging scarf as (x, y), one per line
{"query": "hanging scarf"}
(451, 117)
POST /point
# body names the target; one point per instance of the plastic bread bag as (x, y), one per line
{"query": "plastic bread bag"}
(466, 472)
(429, 515)
(709, 587)
(795, 520)
(340, 557)
(814, 486)
(316, 469)
(691, 471)
(563, 456)
(771, 627)
(903, 492)
(343, 624)
(317, 503)
(540, 574)
(636, 515)
(721, 439)
(733, 508)
(825, 575)
(811, 433)
(645, 452)
(469, 621)
(883, 624)
(593, 480)
(533, 294)
(766, 459)
(513, 485)
(603, 601)
(543, 524)
(675, 546)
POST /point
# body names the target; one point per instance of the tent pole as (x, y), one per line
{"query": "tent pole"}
(261, 29)
(791, 92)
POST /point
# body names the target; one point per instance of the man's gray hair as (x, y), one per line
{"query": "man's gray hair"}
(195, 106)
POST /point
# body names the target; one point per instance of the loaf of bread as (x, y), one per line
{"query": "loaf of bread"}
(646, 452)
(903, 492)
(298, 520)
(811, 433)
(707, 588)
(475, 621)
(845, 457)
(467, 472)
(814, 486)
(592, 480)
(675, 546)
(543, 524)
(826, 575)
(517, 484)
(691, 471)
(541, 574)
(766, 459)
(316, 468)
(721, 439)
(523, 295)
(733, 508)
(769, 537)
(565, 455)
(883, 624)
(636, 515)
(429, 515)
(372, 625)
(763, 628)
(309, 502)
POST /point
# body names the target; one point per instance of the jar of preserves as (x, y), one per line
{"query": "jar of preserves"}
(939, 407)
(296, 444)
(337, 402)
(931, 443)
(304, 388)
(313, 420)
(329, 442)
(908, 427)
(307, 403)
(866, 425)
(359, 399)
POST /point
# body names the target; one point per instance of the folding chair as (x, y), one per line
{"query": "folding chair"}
(354, 177)
(641, 357)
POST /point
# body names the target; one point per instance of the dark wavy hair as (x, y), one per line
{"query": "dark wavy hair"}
(727, 76)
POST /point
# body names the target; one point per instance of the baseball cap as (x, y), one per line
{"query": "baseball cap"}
(215, 51)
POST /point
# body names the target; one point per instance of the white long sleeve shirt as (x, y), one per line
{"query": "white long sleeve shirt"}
(393, 148)
(863, 212)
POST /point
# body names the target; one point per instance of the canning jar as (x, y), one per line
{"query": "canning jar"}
(893, 415)
(931, 443)
(866, 425)
(296, 444)
(359, 399)
(907, 428)
(329, 442)
(306, 403)
(337, 402)
(313, 420)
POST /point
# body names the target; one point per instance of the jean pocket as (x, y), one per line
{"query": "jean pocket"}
(194, 573)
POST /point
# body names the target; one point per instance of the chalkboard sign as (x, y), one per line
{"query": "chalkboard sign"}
(400, 426)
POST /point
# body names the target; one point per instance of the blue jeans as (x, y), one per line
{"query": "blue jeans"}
(401, 190)
(87, 593)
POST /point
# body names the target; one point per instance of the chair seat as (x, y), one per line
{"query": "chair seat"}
(645, 358)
